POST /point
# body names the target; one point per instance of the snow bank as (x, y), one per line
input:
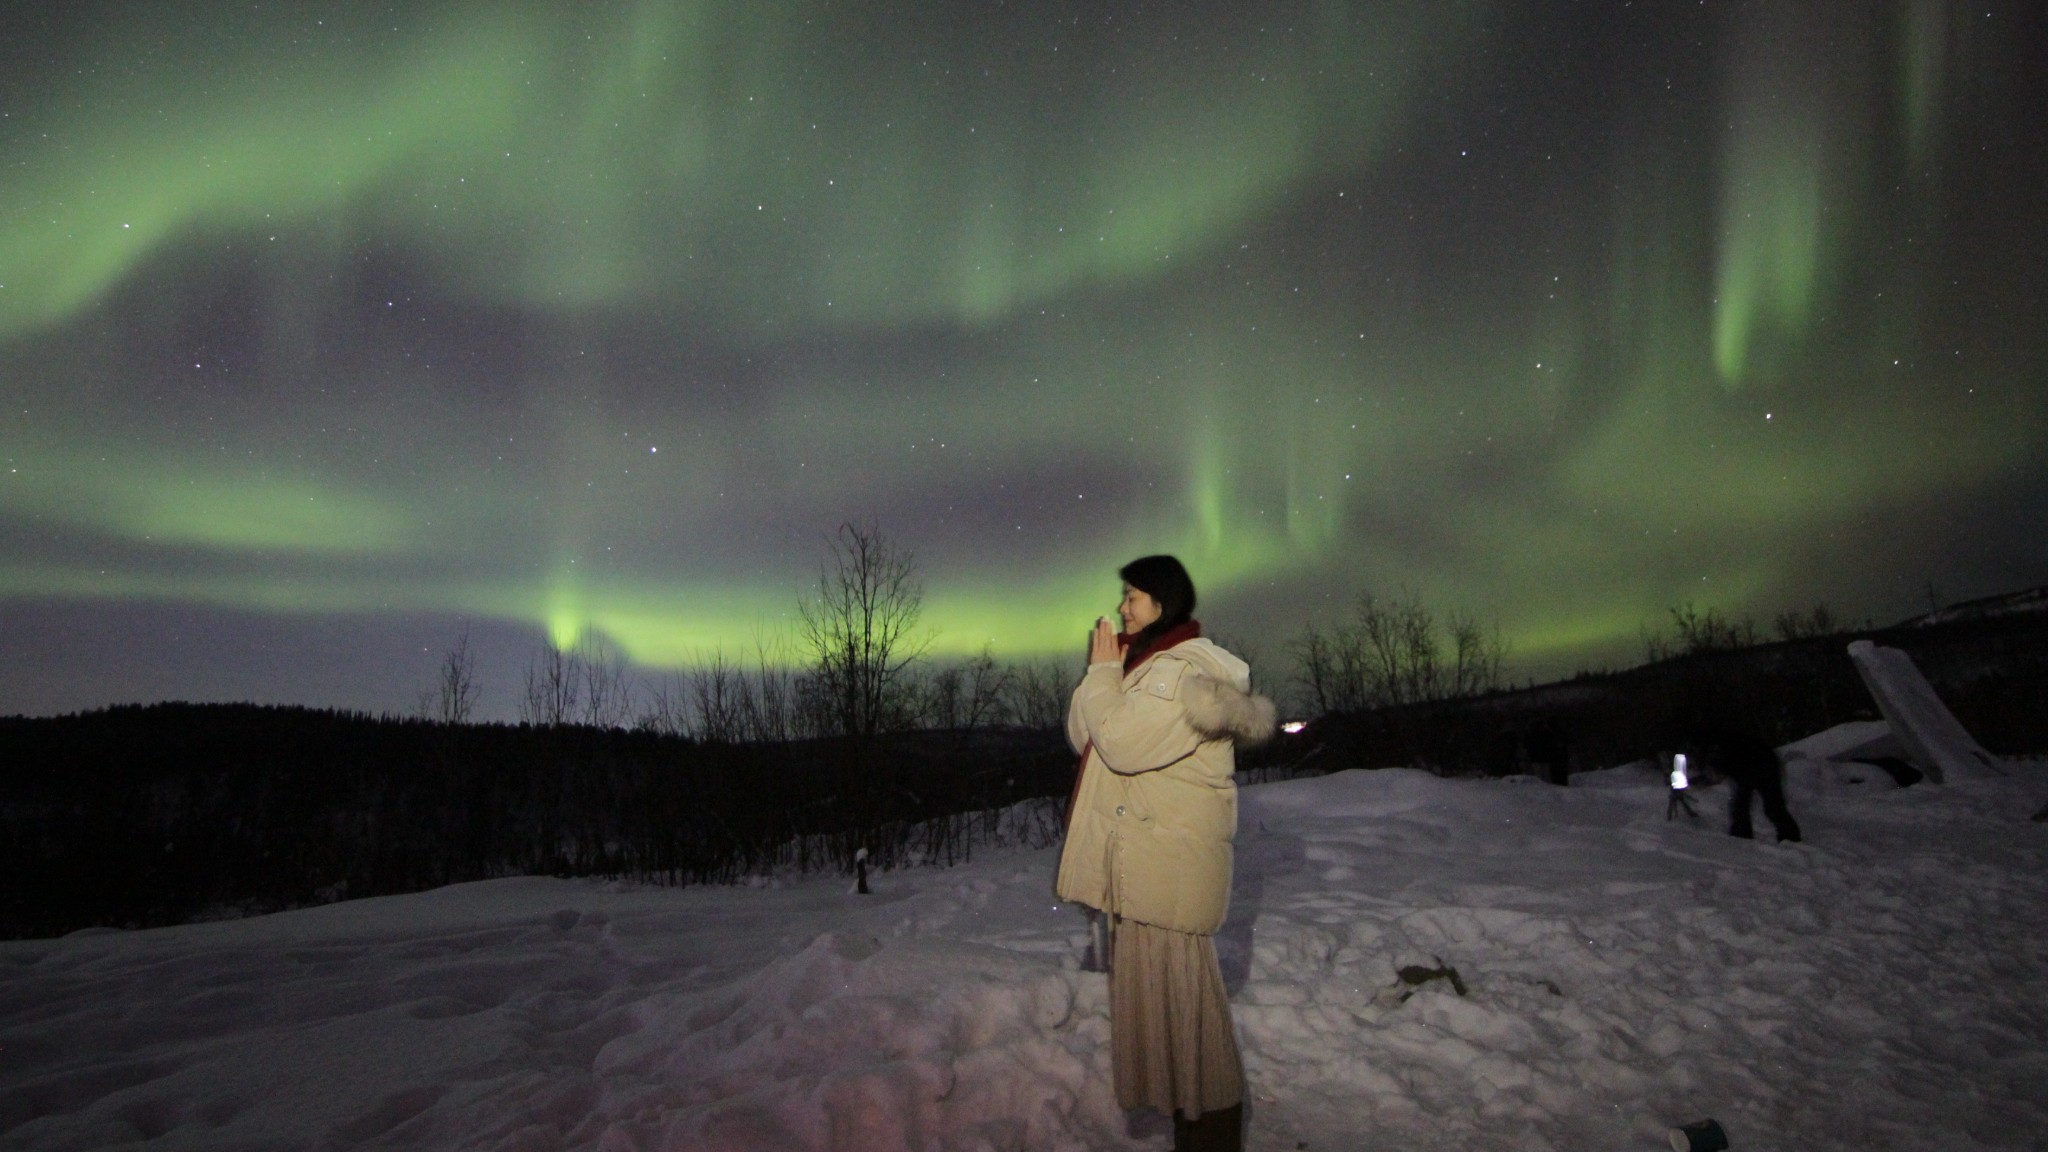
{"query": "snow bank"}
(1924, 727)
(1879, 986)
(1855, 740)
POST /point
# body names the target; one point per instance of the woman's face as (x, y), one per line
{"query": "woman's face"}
(1138, 610)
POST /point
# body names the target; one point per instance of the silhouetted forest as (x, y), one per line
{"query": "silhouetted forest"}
(148, 815)
(1991, 672)
(140, 816)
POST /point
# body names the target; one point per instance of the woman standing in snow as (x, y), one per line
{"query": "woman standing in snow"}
(1156, 720)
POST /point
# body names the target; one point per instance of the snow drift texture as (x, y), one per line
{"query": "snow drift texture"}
(1882, 986)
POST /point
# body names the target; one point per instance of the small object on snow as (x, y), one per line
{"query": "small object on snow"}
(1411, 977)
(860, 871)
(1699, 1136)
(1416, 975)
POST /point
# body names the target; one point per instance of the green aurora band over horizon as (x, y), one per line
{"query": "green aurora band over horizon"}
(595, 320)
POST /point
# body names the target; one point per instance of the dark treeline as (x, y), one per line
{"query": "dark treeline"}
(149, 815)
(1991, 672)
(139, 816)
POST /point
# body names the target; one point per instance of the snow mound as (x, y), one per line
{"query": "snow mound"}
(1854, 740)
(1414, 963)
(1923, 726)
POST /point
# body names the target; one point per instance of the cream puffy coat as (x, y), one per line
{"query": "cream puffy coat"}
(1156, 808)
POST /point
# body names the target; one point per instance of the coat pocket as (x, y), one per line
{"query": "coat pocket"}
(1170, 879)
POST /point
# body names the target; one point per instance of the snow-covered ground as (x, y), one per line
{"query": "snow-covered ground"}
(1882, 986)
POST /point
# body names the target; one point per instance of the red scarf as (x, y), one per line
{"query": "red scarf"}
(1134, 655)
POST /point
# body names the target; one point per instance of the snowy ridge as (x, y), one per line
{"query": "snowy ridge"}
(1881, 986)
(1985, 608)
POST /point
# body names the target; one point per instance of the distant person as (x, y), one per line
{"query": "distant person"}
(1751, 764)
(1156, 721)
(1680, 774)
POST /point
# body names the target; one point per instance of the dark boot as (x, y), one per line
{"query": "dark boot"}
(1218, 1131)
(1773, 794)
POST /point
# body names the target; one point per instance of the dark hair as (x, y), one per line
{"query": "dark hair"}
(1165, 581)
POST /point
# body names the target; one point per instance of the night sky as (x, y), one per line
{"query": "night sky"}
(327, 329)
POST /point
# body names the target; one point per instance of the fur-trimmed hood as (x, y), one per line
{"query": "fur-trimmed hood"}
(1217, 693)
(1219, 710)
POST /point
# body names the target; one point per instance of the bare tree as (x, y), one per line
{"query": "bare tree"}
(719, 695)
(1403, 663)
(1037, 694)
(607, 689)
(771, 711)
(666, 710)
(941, 707)
(1795, 625)
(1395, 652)
(452, 700)
(719, 701)
(458, 681)
(1332, 670)
(966, 694)
(554, 689)
(588, 684)
(860, 630)
(1697, 632)
(988, 690)
(1477, 658)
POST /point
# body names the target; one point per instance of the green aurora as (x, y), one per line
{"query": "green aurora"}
(596, 320)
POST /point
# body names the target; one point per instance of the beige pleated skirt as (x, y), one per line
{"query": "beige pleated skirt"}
(1171, 1040)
